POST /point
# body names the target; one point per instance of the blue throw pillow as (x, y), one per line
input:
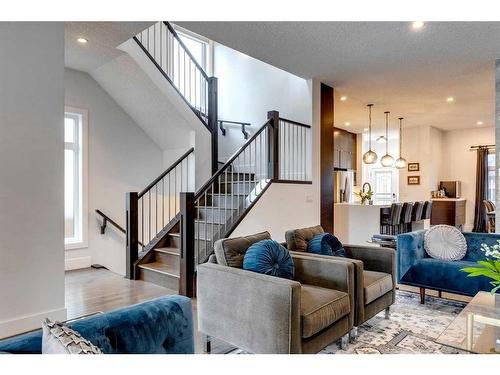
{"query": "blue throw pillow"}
(326, 244)
(270, 258)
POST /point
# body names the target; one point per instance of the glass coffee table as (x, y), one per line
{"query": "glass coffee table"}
(477, 328)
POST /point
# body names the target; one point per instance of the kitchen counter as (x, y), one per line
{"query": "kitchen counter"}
(355, 223)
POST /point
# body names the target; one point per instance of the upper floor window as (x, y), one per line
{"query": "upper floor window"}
(75, 143)
(198, 47)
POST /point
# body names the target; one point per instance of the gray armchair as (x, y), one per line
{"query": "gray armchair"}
(265, 314)
(374, 273)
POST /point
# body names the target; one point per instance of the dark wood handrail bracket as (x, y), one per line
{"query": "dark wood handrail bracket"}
(107, 219)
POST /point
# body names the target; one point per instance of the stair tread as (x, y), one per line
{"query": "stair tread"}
(217, 208)
(161, 268)
(168, 250)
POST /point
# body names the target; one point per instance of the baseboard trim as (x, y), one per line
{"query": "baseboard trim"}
(77, 263)
(30, 322)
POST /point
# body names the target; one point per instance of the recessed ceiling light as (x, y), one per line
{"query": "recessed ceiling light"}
(479, 123)
(365, 129)
(343, 98)
(450, 99)
(417, 25)
(347, 123)
(82, 40)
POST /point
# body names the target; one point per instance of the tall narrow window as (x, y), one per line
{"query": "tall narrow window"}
(75, 230)
(491, 176)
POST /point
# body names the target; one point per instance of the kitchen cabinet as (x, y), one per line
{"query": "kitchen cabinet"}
(344, 149)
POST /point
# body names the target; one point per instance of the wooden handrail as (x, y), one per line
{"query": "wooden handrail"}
(167, 171)
(174, 33)
(229, 162)
(295, 123)
(117, 226)
(106, 218)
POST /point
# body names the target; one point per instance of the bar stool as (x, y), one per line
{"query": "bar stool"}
(405, 221)
(427, 210)
(418, 210)
(388, 224)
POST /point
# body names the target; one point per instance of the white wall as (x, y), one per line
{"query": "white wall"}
(443, 155)
(248, 88)
(460, 163)
(121, 158)
(421, 144)
(288, 206)
(31, 175)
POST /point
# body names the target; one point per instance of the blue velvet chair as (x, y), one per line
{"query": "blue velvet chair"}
(416, 268)
(159, 326)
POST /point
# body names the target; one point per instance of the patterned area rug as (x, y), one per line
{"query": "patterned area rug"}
(412, 328)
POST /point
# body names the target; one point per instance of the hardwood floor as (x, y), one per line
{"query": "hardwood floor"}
(92, 290)
(99, 290)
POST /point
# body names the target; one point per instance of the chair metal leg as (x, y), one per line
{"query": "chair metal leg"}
(353, 334)
(388, 312)
(422, 296)
(207, 343)
(344, 341)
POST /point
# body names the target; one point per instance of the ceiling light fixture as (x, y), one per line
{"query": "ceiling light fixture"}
(400, 162)
(417, 25)
(370, 157)
(387, 160)
(82, 40)
(365, 129)
(347, 123)
(343, 98)
(479, 123)
(381, 139)
(450, 99)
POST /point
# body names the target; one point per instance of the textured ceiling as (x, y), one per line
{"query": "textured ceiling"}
(410, 73)
(103, 39)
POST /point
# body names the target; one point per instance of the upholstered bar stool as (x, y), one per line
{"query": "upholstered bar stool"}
(427, 210)
(389, 225)
(405, 221)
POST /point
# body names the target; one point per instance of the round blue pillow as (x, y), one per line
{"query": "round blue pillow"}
(270, 258)
(326, 244)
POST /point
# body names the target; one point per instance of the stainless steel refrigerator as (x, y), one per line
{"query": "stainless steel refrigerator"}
(343, 183)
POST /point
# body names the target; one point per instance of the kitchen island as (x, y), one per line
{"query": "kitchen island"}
(355, 223)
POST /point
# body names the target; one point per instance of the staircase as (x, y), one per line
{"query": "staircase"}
(170, 228)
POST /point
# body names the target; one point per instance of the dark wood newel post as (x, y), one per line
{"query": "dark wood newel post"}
(132, 241)
(212, 121)
(187, 284)
(274, 142)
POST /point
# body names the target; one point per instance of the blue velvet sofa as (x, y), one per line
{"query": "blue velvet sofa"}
(416, 268)
(159, 326)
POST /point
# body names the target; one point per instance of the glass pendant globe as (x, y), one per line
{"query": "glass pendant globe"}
(400, 163)
(387, 160)
(370, 157)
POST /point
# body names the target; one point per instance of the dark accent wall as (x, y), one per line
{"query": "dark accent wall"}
(326, 157)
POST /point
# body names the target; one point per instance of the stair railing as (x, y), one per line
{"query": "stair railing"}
(161, 43)
(295, 150)
(217, 208)
(149, 212)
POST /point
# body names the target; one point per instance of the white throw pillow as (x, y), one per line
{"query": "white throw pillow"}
(445, 242)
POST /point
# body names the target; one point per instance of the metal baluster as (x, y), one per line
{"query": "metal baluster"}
(156, 210)
(149, 216)
(175, 190)
(226, 193)
(163, 203)
(206, 220)
(142, 221)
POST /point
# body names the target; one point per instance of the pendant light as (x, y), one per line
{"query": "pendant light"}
(370, 157)
(387, 160)
(400, 163)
